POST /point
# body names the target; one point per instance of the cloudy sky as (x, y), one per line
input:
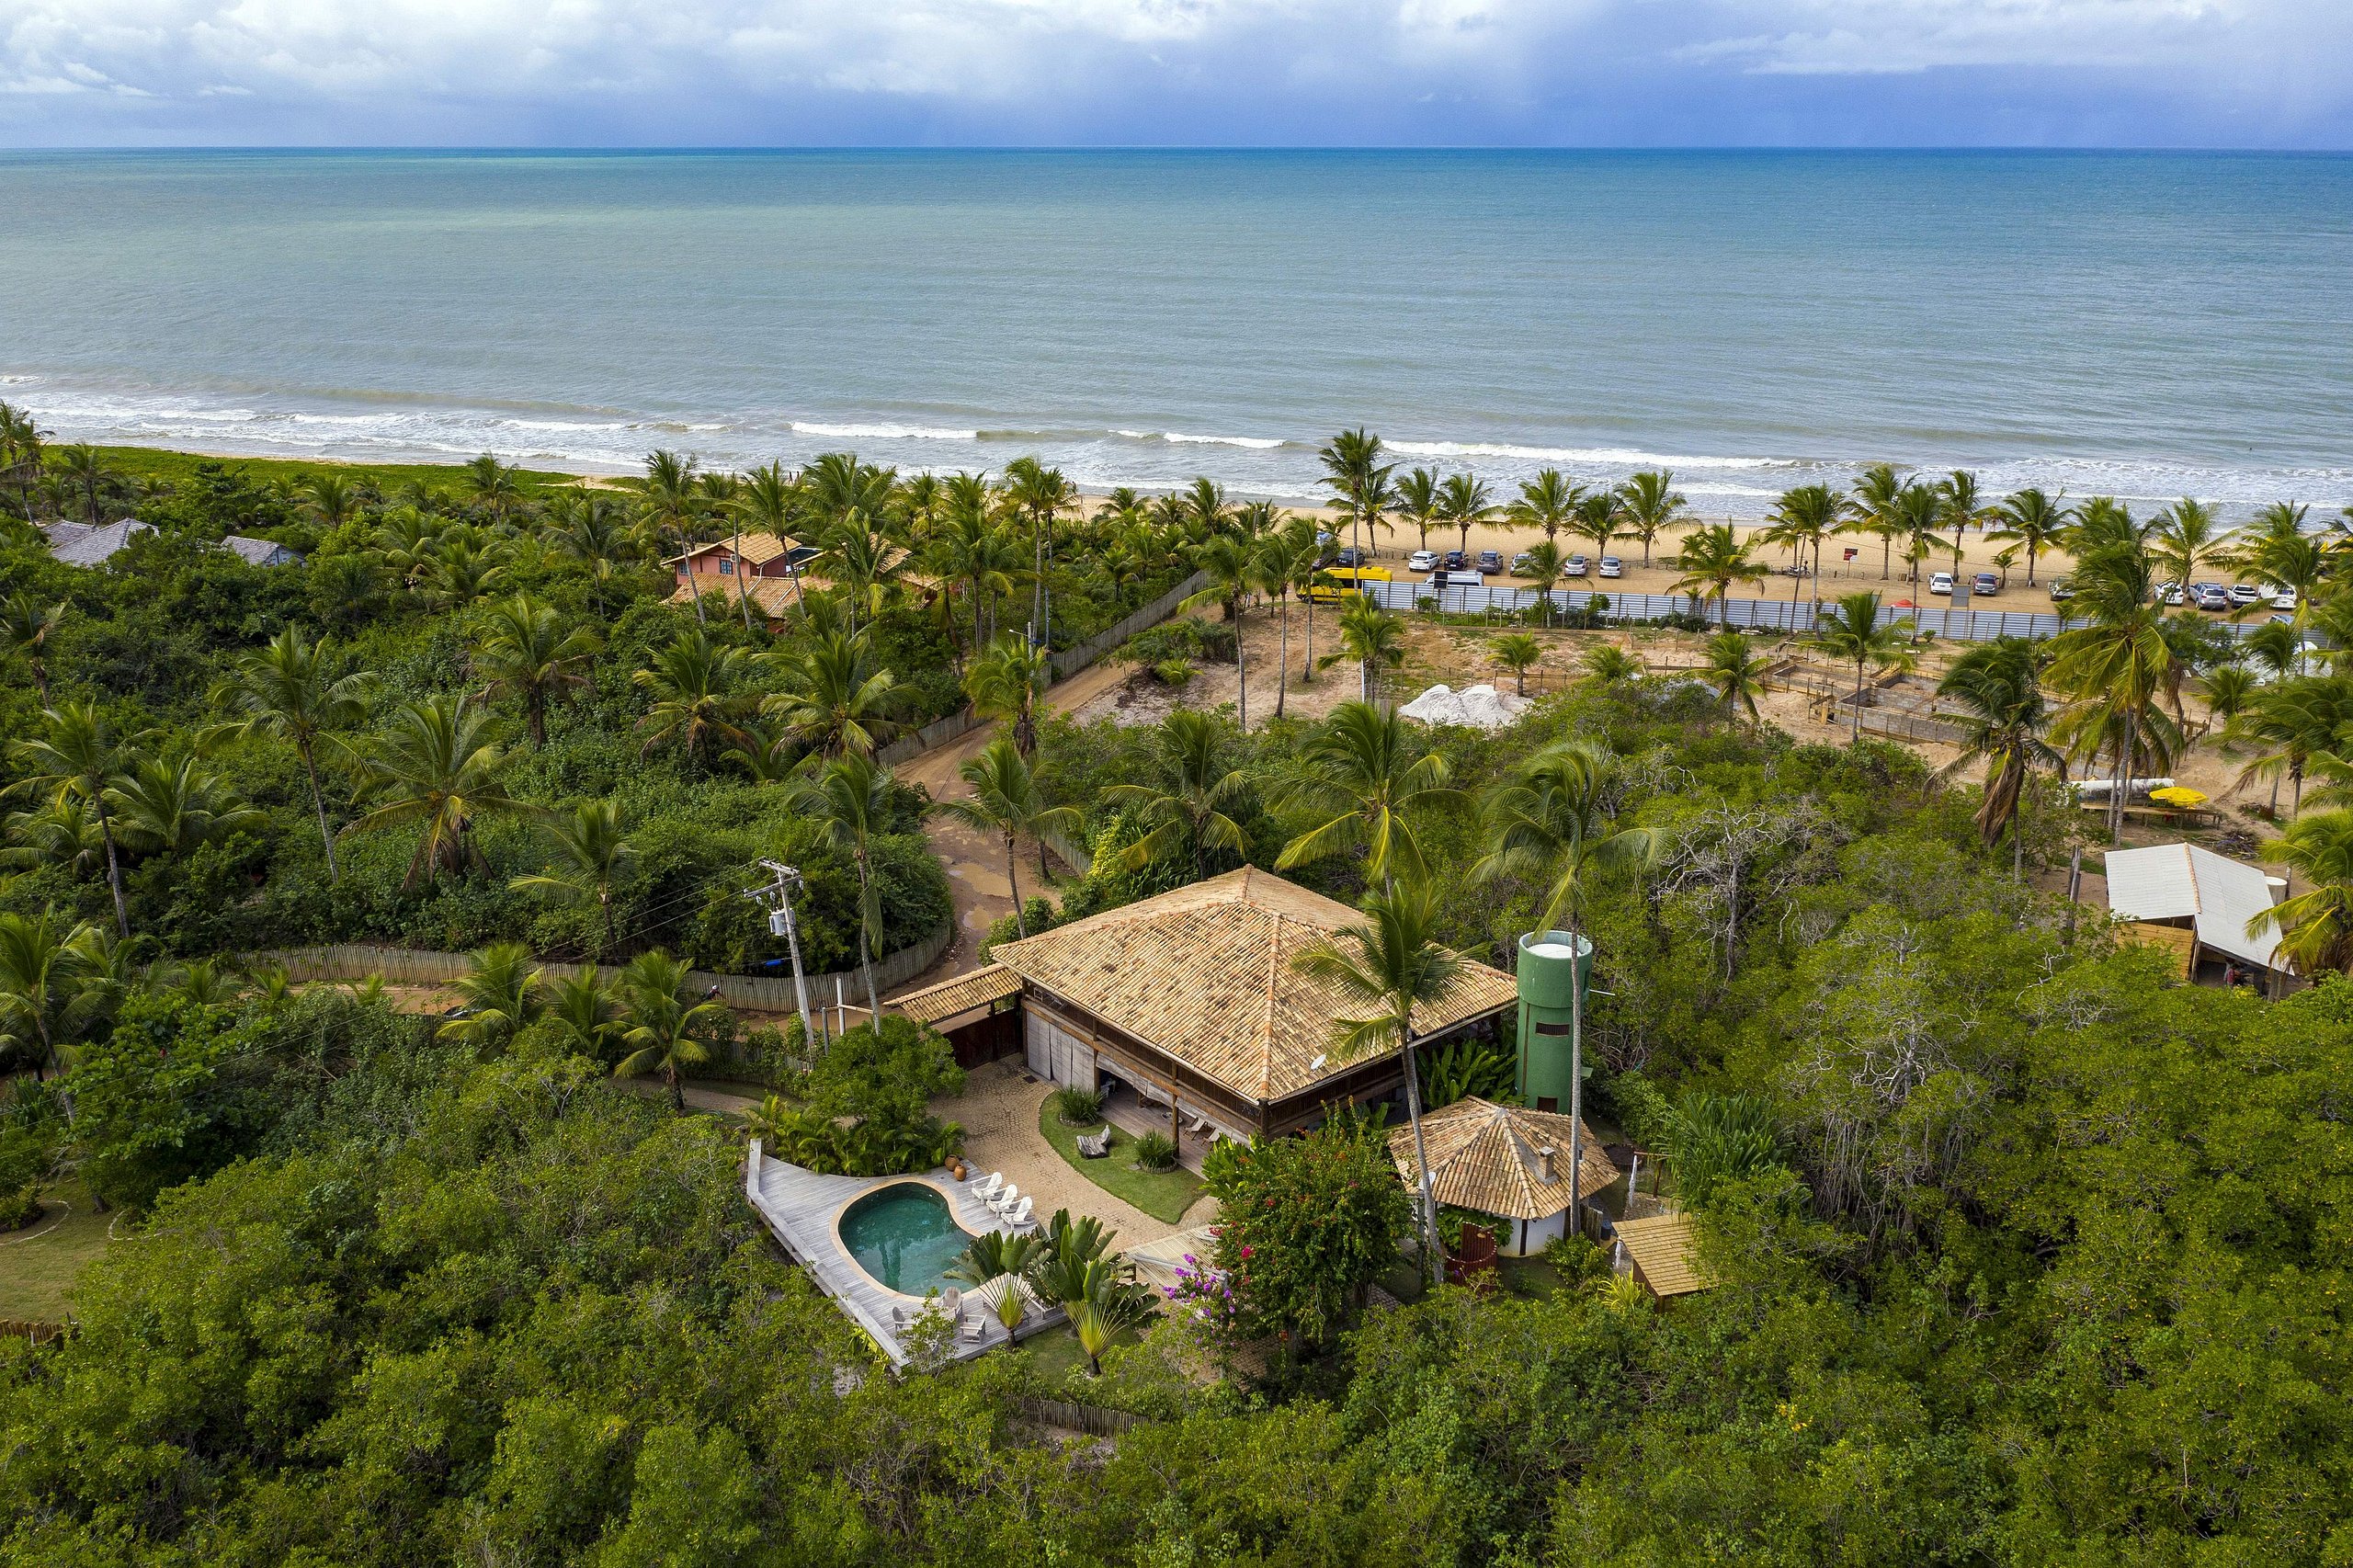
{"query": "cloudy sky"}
(641, 72)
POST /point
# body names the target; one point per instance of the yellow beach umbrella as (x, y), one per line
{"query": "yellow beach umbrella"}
(2178, 795)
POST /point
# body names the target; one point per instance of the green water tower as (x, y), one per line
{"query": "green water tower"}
(1547, 962)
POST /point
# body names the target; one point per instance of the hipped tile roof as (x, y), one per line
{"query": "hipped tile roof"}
(1204, 975)
(977, 988)
(759, 548)
(1488, 1157)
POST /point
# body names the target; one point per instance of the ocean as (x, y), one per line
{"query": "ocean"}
(2147, 325)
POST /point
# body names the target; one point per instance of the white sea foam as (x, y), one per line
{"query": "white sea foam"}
(879, 432)
(1613, 456)
(1179, 438)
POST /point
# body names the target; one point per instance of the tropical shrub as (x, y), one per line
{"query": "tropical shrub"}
(1155, 1152)
(1305, 1224)
(1075, 1106)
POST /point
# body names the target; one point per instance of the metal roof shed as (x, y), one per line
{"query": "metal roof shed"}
(2217, 895)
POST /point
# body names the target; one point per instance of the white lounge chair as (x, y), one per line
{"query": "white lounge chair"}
(973, 1328)
(1197, 1124)
(1003, 1200)
(1018, 1215)
(989, 1188)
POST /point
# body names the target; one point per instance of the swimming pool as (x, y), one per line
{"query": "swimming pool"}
(903, 1236)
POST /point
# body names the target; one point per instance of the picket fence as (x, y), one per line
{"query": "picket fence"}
(419, 966)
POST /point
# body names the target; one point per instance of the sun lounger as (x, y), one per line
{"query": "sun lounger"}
(1197, 1124)
(1018, 1215)
(1003, 1200)
(991, 1188)
(972, 1328)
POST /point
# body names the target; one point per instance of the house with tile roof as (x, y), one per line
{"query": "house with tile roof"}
(1190, 1001)
(1507, 1162)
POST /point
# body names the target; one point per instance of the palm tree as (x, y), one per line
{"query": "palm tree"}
(491, 486)
(330, 500)
(1462, 501)
(1193, 804)
(1608, 664)
(1547, 502)
(170, 805)
(1006, 801)
(25, 628)
(1287, 560)
(1960, 506)
(1652, 505)
(1007, 683)
(1736, 671)
(2035, 520)
(1713, 558)
(1919, 510)
(2187, 536)
(1516, 653)
(849, 799)
(2296, 726)
(435, 763)
(592, 854)
(584, 1007)
(83, 468)
(1105, 1304)
(835, 698)
(1803, 518)
(1419, 500)
(1039, 492)
(1543, 571)
(695, 702)
(1358, 481)
(2117, 668)
(2316, 925)
(1359, 783)
(524, 651)
(500, 995)
(591, 529)
(1392, 964)
(1878, 493)
(57, 988)
(77, 759)
(663, 1032)
(2004, 717)
(1599, 518)
(971, 550)
(1850, 632)
(672, 504)
(1555, 822)
(1374, 639)
(1234, 570)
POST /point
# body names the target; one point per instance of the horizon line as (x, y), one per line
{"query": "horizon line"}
(760, 149)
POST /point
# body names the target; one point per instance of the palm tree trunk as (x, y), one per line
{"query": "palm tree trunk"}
(1241, 675)
(1282, 658)
(1858, 714)
(320, 802)
(113, 874)
(1307, 663)
(1424, 1209)
(677, 1093)
(1013, 880)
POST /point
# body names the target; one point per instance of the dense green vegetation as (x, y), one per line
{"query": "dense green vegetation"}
(2025, 1255)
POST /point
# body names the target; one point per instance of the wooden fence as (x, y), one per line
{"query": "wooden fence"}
(39, 1333)
(1094, 1420)
(418, 966)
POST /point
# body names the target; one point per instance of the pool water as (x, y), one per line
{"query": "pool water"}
(903, 1236)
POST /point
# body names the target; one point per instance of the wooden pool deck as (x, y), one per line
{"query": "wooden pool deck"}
(799, 1207)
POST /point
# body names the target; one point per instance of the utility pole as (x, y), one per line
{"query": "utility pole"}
(777, 899)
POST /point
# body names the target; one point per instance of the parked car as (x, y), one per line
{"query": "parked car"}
(1491, 561)
(1455, 580)
(1422, 561)
(1941, 583)
(2209, 596)
(1575, 567)
(2169, 593)
(1351, 556)
(1612, 567)
(2281, 598)
(1985, 585)
(1519, 564)
(1457, 561)
(2062, 589)
(2244, 593)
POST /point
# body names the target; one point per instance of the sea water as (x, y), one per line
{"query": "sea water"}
(2142, 325)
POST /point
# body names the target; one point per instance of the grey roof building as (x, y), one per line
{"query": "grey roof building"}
(260, 551)
(82, 544)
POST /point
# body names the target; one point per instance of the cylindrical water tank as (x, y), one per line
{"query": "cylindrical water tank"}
(1547, 960)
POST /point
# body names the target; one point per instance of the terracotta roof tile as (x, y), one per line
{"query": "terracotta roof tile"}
(975, 988)
(1666, 1251)
(1488, 1157)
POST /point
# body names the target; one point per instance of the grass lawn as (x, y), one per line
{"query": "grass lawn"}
(1054, 1355)
(39, 1265)
(156, 462)
(1164, 1195)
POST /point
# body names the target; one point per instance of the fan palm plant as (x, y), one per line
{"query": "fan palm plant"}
(851, 799)
(1850, 632)
(592, 855)
(696, 701)
(661, 1029)
(500, 995)
(523, 650)
(1104, 1305)
(1195, 803)
(2004, 717)
(77, 758)
(1360, 782)
(1006, 801)
(1391, 963)
(435, 763)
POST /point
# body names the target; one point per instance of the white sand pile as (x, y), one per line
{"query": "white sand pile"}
(1481, 707)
